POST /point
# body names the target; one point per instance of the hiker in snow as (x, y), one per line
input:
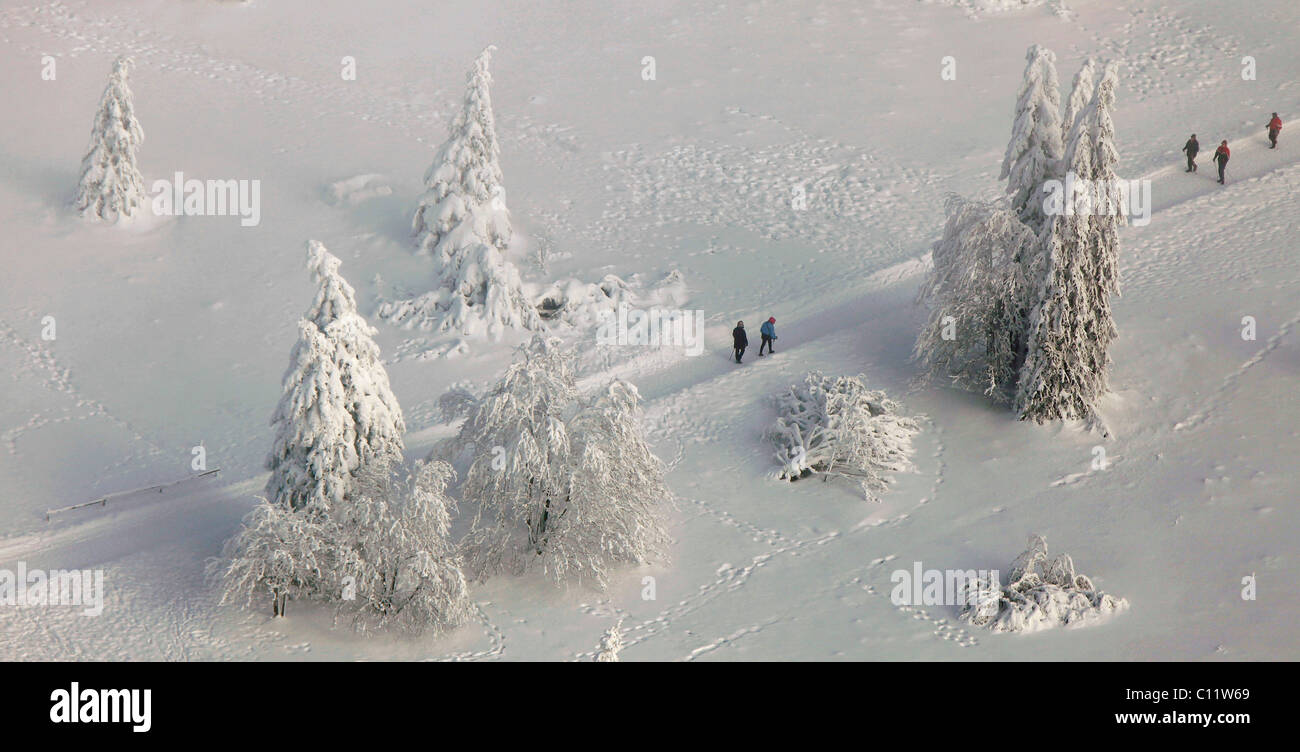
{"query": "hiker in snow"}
(739, 340)
(1221, 155)
(768, 332)
(1274, 128)
(1191, 147)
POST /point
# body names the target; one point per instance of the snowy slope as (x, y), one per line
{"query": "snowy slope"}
(177, 333)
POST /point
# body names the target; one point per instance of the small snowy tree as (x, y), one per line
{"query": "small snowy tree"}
(1034, 152)
(978, 297)
(569, 487)
(111, 186)
(1072, 326)
(611, 644)
(1044, 591)
(1080, 96)
(337, 412)
(839, 427)
(463, 222)
(278, 554)
(399, 560)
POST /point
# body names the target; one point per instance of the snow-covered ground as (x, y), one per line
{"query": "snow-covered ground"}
(175, 332)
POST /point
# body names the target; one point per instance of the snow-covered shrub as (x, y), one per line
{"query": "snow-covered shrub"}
(1044, 591)
(399, 562)
(978, 294)
(278, 555)
(558, 483)
(839, 427)
(462, 221)
(611, 644)
(580, 304)
(1034, 152)
(111, 186)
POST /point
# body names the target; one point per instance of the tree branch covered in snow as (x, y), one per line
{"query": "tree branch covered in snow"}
(839, 427)
(111, 186)
(1043, 592)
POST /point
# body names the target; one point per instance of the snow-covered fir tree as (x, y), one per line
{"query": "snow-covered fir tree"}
(1080, 96)
(111, 186)
(978, 296)
(611, 644)
(337, 412)
(568, 487)
(463, 222)
(1072, 326)
(1034, 152)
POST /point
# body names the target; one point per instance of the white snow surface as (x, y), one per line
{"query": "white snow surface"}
(176, 332)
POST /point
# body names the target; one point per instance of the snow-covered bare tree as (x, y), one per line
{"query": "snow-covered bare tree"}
(278, 554)
(111, 186)
(978, 296)
(614, 513)
(1034, 152)
(1044, 591)
(839, 427)
(561, 485)
(1080, 96)
(463, 222)
(611, 644)
(399, 561)
(337, 412)
(1072, 326)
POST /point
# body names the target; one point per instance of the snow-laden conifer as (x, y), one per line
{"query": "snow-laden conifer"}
(1081, 92)
(1034, 152)
(611, 644)
(111, 186)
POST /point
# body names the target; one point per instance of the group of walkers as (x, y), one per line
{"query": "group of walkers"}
(740, 341)
(1223, 153)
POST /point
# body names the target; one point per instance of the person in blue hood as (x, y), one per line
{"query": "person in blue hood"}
(768, 332)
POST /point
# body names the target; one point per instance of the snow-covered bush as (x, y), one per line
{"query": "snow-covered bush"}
(558, 483)
(978, 295)
(580, 304)
(1044, 591)
(278, 555)
(611, 644)
(839, 427)
(1034, 152)
(337, 412)
(462, 221)
(111, 186)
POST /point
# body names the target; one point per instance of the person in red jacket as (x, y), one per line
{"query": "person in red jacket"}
(1274, 128)
(1221, 155)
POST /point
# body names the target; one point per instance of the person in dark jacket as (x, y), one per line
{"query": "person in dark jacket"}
(1221, 156)
(768, 332)
(1191, 147)
(1274, 128)
(739, 340)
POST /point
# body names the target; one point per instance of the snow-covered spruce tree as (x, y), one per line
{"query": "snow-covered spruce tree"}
(111, 186)
(402, 566)
(1034, 151)
(1110, 211)
(463, 222)
(1043, 592)
(611, 644)
(560, 485)
(1080, 96)
(1072, 326)
(337, 412)
(839, 427)
(978, 297)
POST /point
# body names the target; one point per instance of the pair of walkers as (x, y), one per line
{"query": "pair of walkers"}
(739, 340)
(1223, 153)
